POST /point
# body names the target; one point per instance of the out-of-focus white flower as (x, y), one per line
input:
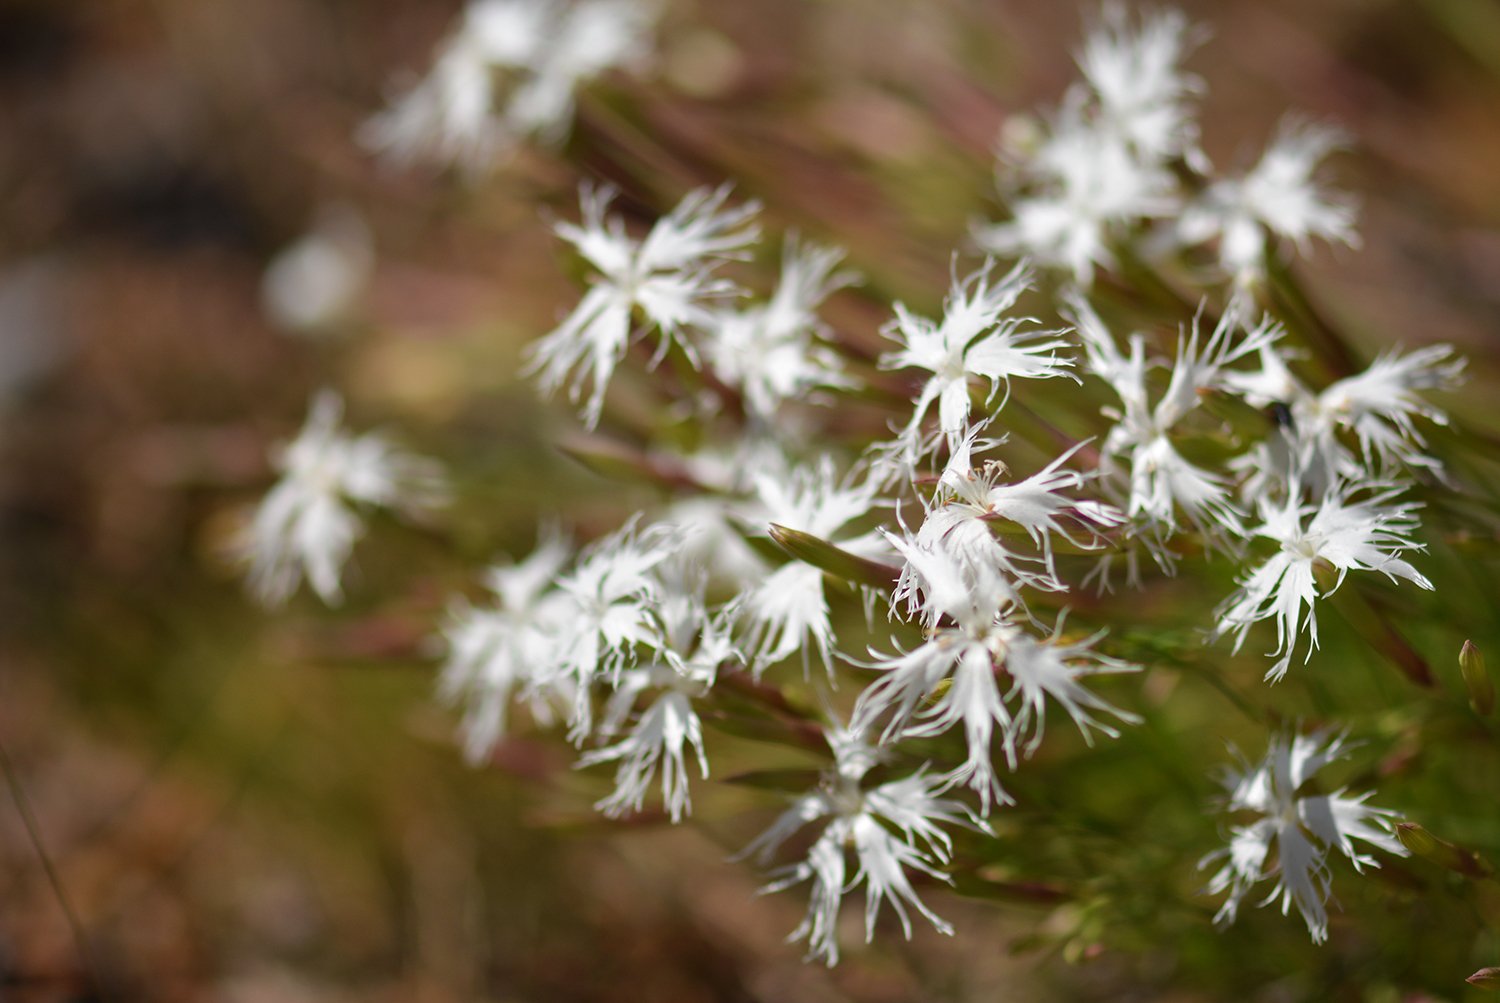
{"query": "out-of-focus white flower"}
(448, 117)
(1083, 186)
(713, 542)
(614, 589)
(1134, 73)
(308, 523)
(1378, 407)
(1160, 480)
(509, 71)
(510, 33)
(974, 339)
(789, 609)
(814, 498)
(1366, 535)
(712, 522)
(694, 646)
(1379, 404)
(1278, 198)
(774, 352)
(1294, 834)
(314, 285)
(509, 650)
(894, 829)
(667, 277)
(590, 38)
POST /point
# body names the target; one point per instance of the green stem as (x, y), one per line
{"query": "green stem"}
(1296, 306)
(1373, 625)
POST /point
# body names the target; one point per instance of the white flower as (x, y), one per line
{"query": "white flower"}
(1295, 832)
(509, 33)
(971, 654)
(1379, 404)
(694, 647)
(970, 501)
(494, 652)
(587, 39)
(968, 656)
(1084, 186)
(1142, 93)
(940, 580)
(614, 590)
(893, 829)
(509, 71)
(712, 540)
(314, 285)
(1160, 480)
(774, 352)
(1345, 535)
(789, 608)
(1051, 669)
(1279, 197)
(309, 522)
(973, 339)
(666, 276)
(446, 117)
(713, 519)
(1378, 407)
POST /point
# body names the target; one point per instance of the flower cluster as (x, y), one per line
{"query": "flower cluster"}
(967, 540)
(510, 70)
(1118, 169)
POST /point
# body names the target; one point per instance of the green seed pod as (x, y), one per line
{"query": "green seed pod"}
(1477, 679)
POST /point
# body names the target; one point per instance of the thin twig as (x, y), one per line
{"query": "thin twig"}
(23, 806)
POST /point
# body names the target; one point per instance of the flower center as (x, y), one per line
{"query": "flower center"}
(846, 797)
(1304, 547)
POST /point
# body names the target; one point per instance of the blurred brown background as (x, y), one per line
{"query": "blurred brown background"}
(248, 808)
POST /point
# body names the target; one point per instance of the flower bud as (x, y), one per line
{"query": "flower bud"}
(1485, 978)
(1481, 687)
(1416, 839)
(833, 559)
(1455, 858)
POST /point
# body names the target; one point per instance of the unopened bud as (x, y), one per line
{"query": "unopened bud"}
(1477, 679)
(1485, 978)
(1416, 839)
(833, 559)
(1441, 852)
